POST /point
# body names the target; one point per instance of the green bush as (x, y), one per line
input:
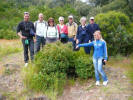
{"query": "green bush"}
(8, 34)
(54, 65)
(116, 30)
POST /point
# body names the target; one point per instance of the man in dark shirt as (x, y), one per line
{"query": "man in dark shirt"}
(26, 30)
(92, 27)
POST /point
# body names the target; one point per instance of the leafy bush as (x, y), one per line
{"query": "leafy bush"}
(54, 65)
(8, 34)
(116, 30)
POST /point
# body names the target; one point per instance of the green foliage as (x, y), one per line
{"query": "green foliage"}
(12, 14)
(116, 29)
(54, 65)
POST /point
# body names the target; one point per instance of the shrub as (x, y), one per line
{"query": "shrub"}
(116, 29)
(8, 34)
(54, 65)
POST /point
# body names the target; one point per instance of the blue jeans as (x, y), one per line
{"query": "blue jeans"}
(40, 42)
(99, 69)
(73, 42)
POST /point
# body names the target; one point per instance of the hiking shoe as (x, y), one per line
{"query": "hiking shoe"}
(26, 64)
(97, 83)
(105, 83)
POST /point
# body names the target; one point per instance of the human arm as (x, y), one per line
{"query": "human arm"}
(19, 33)
(85, 45)
(105, 51)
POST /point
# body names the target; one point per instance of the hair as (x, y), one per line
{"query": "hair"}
(40, 14)
(99, 33)
(51, 19)
(26, 13)
(82, 18)
(61, 18)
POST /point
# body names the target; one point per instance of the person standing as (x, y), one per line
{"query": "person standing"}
(63, 30)
(52, 34)
(82, 35)
(99, 56)
(92, 27)
(26, 32)
(40, 27)
(72, 31)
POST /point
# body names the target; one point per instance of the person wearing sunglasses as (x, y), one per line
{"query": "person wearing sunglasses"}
(52, 34)
(63, 30)
(24, 29)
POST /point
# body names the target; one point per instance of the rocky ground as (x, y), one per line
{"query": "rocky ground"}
(11, 85)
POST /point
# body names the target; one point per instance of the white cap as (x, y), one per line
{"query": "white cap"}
(91, 18)
(70, 16)
(61, 18)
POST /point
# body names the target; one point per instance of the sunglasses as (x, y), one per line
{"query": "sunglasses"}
(26, 12)
(61, 20)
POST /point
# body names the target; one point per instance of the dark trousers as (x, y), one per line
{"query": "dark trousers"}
(82, 40)
(40, 42)
(29, 46)
(73, 43)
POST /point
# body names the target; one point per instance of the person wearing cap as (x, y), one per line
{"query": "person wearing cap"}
(72, 30)
(40, 27)
(92, 27)
(82, 34)
(63, 30)
(26, 32)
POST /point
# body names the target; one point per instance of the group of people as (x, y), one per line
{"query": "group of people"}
(41, 32)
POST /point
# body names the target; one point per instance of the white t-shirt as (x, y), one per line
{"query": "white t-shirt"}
(52, 32)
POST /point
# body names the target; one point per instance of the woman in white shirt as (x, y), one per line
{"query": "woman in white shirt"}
(52, 33)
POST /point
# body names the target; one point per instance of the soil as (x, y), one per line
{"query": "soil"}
(119, 87)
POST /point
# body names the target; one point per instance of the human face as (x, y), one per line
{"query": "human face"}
(61, 22)
(97, 36)
(26, 17)
(91, 21)
(51, 23)
(70, 20)
(41, 17)
(83, 22)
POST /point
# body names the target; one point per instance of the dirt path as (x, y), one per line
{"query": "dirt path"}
(119, 87)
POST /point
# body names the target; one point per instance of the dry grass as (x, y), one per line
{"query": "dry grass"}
(9, 46)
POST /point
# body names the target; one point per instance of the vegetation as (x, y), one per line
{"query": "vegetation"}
(54, 65)
(117, 31)
(7, 47)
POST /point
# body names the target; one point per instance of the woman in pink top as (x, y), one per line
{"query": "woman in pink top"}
(63, 30)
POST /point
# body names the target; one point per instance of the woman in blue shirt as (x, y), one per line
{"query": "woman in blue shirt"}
(100, 53)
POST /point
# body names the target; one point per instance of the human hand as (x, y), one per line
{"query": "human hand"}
(34, 40)
(77, 47)
(77, 41)
(105, 61)
(23, 37)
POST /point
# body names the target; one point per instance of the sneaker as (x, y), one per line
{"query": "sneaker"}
(105, 83)
(26, 64)
(97, 83)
